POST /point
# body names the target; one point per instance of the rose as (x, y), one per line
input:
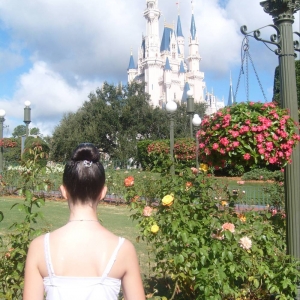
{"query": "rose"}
(228, 226)
(147, 211)
(135, 198)
(154, 228)
(203, 167)
(167, 200)
(194, 170)
(129, 181)
(188, 184)
(245, 243)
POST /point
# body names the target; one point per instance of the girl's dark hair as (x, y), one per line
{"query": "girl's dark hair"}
(84, 175)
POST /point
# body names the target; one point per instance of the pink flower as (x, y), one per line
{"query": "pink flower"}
(240, 182)
(261, 151)
(235, 144)
(247, 156)
(235, 133)
(224, 141)
(245, 243)
(147, 211)
(228, 226)
(244, 129)
(215, 146)
(274, 211)
(273, 160)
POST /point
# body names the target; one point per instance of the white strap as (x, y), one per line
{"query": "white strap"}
(113, 258)
(48, 257)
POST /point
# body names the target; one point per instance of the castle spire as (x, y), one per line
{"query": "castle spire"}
(131, 62)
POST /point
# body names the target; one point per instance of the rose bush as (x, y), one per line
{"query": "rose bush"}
(252, 134)
(204, 248)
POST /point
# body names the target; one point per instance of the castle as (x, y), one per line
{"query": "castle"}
(162, 64)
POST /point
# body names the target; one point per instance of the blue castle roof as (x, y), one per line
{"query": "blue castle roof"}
(184, 94)
(179, 29)
(193, 27)
(131, 63)
(166, 38)
(167, 65)
(181, 68)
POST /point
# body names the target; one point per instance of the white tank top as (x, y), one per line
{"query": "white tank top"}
(81, 288)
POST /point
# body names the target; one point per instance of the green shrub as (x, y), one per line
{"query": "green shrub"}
(207, 249)
(263, 174)
(32, 143)
(16, 242)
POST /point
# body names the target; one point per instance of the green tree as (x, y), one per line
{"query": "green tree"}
(276, 87)
(115, 119)
(21, 130)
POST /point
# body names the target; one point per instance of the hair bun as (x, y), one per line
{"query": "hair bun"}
(86, 151)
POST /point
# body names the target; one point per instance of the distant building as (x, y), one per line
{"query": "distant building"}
(162, 64)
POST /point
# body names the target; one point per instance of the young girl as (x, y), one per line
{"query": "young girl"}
(82, 260)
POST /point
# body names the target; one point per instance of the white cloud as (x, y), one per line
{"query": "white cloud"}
(50, 96)
(74, 45)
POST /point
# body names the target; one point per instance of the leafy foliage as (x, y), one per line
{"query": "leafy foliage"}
(20, 130)
(115, 119)
(16, 242)
(208, 249)
(276, 86)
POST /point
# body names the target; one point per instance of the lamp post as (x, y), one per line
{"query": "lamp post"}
(190, 109)
(171, 108)
(282, 12)
(27, 116)
(2, 119)
(196, 122)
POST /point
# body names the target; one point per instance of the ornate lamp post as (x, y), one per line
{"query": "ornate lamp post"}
(196, 123)
(171, 108)
(190, 109)
(282, 12)
(27, 116)
(2, 119)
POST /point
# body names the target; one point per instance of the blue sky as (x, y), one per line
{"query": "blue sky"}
(54, 53)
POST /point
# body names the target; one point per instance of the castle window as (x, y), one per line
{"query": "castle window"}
(173, 46)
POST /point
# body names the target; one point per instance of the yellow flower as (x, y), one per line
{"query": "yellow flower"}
(167, 200)
(224, 203)
(154, 228)
(242, 217)
(203, 167)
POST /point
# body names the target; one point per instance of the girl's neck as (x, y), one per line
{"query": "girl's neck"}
(79, 211)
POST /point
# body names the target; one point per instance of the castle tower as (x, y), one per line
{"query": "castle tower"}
(162, 64)
(194, 76)
(152, 63)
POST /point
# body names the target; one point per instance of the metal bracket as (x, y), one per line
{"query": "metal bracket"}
(296, 43)
(275, 39)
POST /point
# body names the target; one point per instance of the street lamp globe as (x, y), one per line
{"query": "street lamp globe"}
(189, 93)
(27, 103)
(171, 106)
(196, 120)
(2, 113)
